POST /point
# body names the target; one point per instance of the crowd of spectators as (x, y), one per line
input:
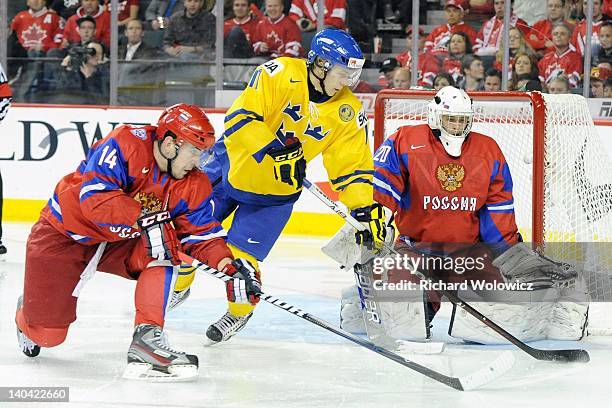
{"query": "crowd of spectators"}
(547, 55)
(546, 43)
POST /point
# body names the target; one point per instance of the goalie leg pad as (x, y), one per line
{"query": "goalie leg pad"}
(400, 320)
(569, 321)
(405, 320)
(351, 317)
(525, 321)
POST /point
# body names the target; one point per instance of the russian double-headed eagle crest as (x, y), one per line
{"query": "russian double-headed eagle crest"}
(450, 176)
(149, 201)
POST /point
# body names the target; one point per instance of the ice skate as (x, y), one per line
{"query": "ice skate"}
(151, 358)
(178, 297)
(225, 328)
(28, 347)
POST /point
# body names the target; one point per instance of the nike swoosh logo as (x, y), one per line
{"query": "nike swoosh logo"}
(294, 81)
(413, 147)
(252, 241)
(145, 170)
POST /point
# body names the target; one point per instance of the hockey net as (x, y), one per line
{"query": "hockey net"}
(562, 177)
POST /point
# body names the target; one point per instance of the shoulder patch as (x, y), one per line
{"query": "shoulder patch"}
(346, 112)
(139, 133)
(273, 67)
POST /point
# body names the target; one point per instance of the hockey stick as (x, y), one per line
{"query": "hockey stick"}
(497, 368)
(570, 355)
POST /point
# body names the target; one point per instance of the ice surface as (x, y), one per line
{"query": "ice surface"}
(278, 360)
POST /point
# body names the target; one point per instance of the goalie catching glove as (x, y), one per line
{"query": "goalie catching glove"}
(289, 162)
(520, 264)
(244, 287)
(373, 218)
(159, 236)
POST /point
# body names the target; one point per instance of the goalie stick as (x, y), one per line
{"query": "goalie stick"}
(569, 355)
(490, 372)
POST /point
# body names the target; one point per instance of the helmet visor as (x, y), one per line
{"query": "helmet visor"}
(206, 157)
(456, 124)
(344, 75)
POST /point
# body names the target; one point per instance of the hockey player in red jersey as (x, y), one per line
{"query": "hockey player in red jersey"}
(450, 189)
(128, 209)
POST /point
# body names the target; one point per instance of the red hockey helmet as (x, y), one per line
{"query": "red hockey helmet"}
(188, 123)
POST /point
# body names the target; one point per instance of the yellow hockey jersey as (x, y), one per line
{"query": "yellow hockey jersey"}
(274, 106)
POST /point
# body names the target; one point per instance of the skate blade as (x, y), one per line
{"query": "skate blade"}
(145, 372)
(209, 343)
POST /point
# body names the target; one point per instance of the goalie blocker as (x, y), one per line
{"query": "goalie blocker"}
(556, 308)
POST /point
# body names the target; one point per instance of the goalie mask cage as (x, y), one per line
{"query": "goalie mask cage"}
(562, 176)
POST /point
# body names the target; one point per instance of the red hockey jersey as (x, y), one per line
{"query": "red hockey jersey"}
(489, 37)
(452, 66)
(5, 94)
(38, 29)
(103, 29)
(427, 68)
(248, 27)
(282, 36)
(580, 33)
(119, 181)
(335, 12)
(569, 63)
(541, 32)
(439, 38)
(439, 198)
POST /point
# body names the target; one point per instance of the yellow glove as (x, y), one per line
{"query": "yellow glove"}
(373, 218)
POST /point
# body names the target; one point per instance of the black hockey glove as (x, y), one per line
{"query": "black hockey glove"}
(245, 286)
(289, 162)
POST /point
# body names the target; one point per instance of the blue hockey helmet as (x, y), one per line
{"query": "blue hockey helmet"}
(337, 48)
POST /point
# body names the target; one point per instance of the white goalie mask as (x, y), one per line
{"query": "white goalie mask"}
(451, 112)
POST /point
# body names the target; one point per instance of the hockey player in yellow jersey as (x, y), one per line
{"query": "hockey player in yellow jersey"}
(290, 112)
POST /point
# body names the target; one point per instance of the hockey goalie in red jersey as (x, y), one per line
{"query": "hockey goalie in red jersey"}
(450, 190)
(131, 205)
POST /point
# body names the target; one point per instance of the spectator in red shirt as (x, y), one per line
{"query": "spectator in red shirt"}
(428, 65)
(439, 38)
(484, 7)
(128, 10)
(490, 35)
(563, 60)
(540, 37)
(38, 28)
(277, 35)
(239, 31)
(304, 13)
(88, 8)
(459, 47)
(580, 31)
